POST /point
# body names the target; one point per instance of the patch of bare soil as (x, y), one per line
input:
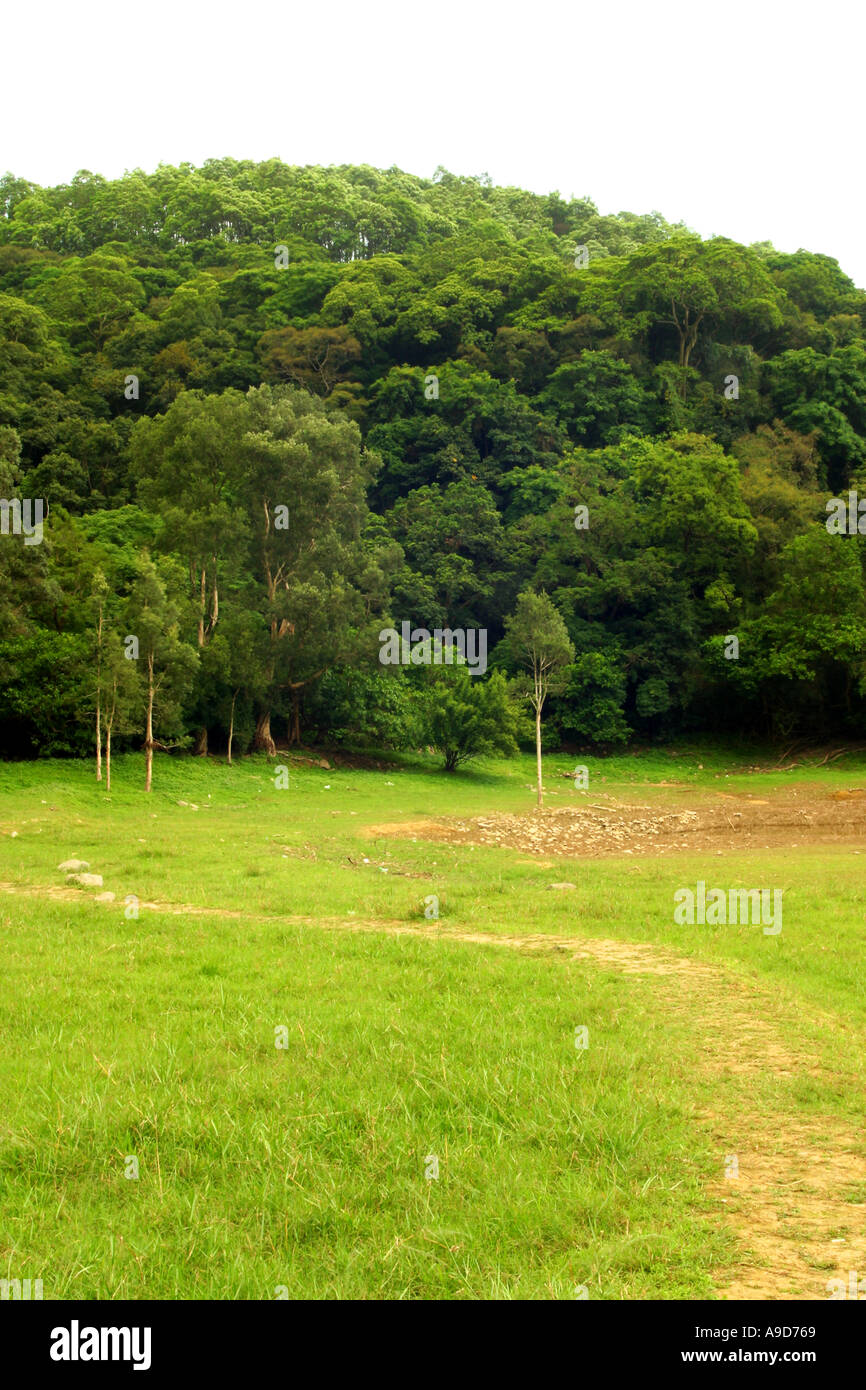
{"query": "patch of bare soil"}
(78, 895)
(788, 1208)
(725, 824)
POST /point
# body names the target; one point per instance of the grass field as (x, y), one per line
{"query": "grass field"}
(411, 1043)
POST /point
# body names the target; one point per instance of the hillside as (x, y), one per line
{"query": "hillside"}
(430, 378)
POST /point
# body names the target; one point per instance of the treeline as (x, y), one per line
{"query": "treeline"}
(275, 410)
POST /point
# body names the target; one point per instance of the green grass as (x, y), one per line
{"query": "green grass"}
(304, 1167)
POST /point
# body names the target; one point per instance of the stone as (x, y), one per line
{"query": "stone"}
(104, 898)
(562, 885)
(73, 866)
(85, 880)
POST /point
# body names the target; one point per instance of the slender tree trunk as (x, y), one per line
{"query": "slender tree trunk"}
(201, 608)
(148, 732)
(99, 698)
(688, 339)
(201, 743)
(109, 725)
(232, 725)
(538, 754)
(295, 732)
(215, 602)
(263, 737)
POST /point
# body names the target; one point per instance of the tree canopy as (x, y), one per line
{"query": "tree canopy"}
(271, 409)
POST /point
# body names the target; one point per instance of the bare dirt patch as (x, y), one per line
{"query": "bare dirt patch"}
(789, 1210)
(725, 823)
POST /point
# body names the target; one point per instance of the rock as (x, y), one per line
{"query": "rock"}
(562, 885)
(73, 866)
(104, 898)
(85, 880)
(323, 762)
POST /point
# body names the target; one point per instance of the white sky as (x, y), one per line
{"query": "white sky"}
(740, 118)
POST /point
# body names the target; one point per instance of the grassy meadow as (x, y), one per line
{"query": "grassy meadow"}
(308, 1169)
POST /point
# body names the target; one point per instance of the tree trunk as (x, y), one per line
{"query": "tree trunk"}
(99, 698)
(215, 602)
(538, 754)
(148, 731)
(262, 737)
(295, 731)
(232, 725)
(200, 749)
(688, 339)
(201, 607)
(109, 725)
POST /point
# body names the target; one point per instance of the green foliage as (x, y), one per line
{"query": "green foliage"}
(467, 717)
(825, 393)
(43, 687)
(537, 640)
(591, 708)
(429, 385)
(358, 708)
(598, 399)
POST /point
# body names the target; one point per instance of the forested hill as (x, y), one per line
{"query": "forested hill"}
(443, 371)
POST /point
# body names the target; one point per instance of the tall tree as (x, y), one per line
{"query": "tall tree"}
(168, 663)
(538, 640)
(122, 697)
(305, 477)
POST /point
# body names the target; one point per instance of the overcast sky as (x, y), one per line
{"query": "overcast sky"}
(742, 119)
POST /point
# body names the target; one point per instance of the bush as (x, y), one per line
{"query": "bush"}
(356, 707)
(467, 717)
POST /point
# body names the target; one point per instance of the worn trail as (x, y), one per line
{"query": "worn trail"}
(797, 1203)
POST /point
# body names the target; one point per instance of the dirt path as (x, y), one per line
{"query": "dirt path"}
(798, 1202)
(790, 1204)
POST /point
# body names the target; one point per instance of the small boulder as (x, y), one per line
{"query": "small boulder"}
(562, 885)
(85, 880)
(104, 898)
(73, 866)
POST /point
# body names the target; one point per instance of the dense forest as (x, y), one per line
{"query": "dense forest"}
(272, 411)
